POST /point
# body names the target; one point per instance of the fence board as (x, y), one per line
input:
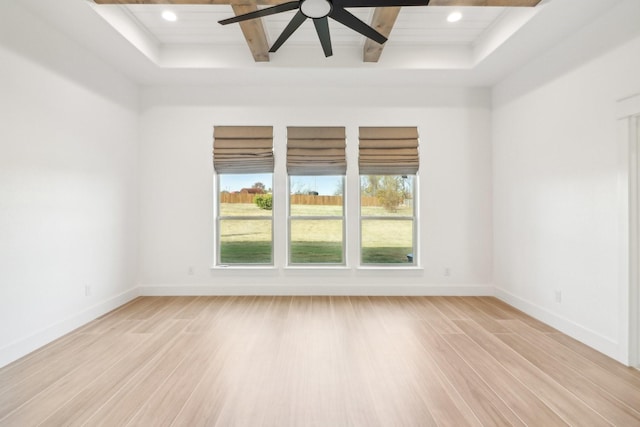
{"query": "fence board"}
(298, 199)
(237, 197)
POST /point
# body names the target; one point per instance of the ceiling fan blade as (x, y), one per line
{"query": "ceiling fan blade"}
(262, 12)
(348, 19)
(380, 3)
(293, 25)
(322, 28)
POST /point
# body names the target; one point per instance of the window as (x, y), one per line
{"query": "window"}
(316, 205)
(387, 219)
(243, 160)
(316, 165)
(245, 219)
(388, 162)
(316, 220)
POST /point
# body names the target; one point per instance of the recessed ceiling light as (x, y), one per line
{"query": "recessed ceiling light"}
(169, 16)
(454, 17)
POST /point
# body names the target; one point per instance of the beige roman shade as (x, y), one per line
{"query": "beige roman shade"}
(388, 151)
(243, 149)
(316, 151)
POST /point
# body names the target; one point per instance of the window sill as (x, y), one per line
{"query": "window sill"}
(390, 268)
(242, 267)
(301, 268)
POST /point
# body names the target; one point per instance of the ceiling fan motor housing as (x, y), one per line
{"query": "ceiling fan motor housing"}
(315, 8)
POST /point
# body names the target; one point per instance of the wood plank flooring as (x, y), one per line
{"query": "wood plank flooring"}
(317, 361)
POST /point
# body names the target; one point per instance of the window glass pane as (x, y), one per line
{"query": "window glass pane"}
(387, 241)
(243, 194)
(386, 195)
(316, 241)
(316, 195)
(245, 241)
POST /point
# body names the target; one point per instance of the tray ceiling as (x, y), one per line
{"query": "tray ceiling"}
(421, 36)
(483, 48)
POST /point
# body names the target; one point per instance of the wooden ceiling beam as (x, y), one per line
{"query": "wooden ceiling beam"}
(254, 33)
(383, 21)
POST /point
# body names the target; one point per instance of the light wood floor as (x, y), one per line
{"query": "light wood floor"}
(317, 361)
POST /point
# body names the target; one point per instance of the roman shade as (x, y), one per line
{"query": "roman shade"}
(243, 149)
(388, 151)
(316, 151)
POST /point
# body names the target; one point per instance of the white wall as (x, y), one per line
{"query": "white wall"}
(557, 204)
(68, 186)
(177, 189)
(536, 173)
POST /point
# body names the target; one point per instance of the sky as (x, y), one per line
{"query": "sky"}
(324, 185)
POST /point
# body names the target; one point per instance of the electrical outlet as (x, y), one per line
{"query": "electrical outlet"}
(447, 272)
(87, 290)
(558, 297)
(190, 271)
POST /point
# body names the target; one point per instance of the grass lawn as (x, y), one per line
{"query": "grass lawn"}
(242, 209)
(385, 255)
(313, 241)
(245, 252)
(380, 211)
(260, 253)
(316, 252)
(318, 210)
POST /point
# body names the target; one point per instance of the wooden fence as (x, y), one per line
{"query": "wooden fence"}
(304, 199)
(236, 197)
(297, 199)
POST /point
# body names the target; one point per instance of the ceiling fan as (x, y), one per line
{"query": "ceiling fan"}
(319, 11)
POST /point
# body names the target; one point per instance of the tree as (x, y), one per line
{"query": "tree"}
(369, 185)
(298, 187)
(339, 187)
(264, 201)
(259, 186)
(390, 190)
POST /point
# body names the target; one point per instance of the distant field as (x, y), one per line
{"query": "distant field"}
(313, 241)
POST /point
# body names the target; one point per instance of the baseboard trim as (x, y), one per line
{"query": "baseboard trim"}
(24, 346)
(396, 290)
(564, 325)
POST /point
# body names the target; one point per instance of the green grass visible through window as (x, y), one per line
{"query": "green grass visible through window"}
(305, 252)
(316, 252)
(249, 242)
(385, 255)
(245, 253)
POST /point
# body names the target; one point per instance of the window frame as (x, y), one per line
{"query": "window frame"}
(291, 218)
(414, 226)
(218, 218)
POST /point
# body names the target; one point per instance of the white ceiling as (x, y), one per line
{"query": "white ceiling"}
(423, 49)
(421, 38)
(198, 24)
